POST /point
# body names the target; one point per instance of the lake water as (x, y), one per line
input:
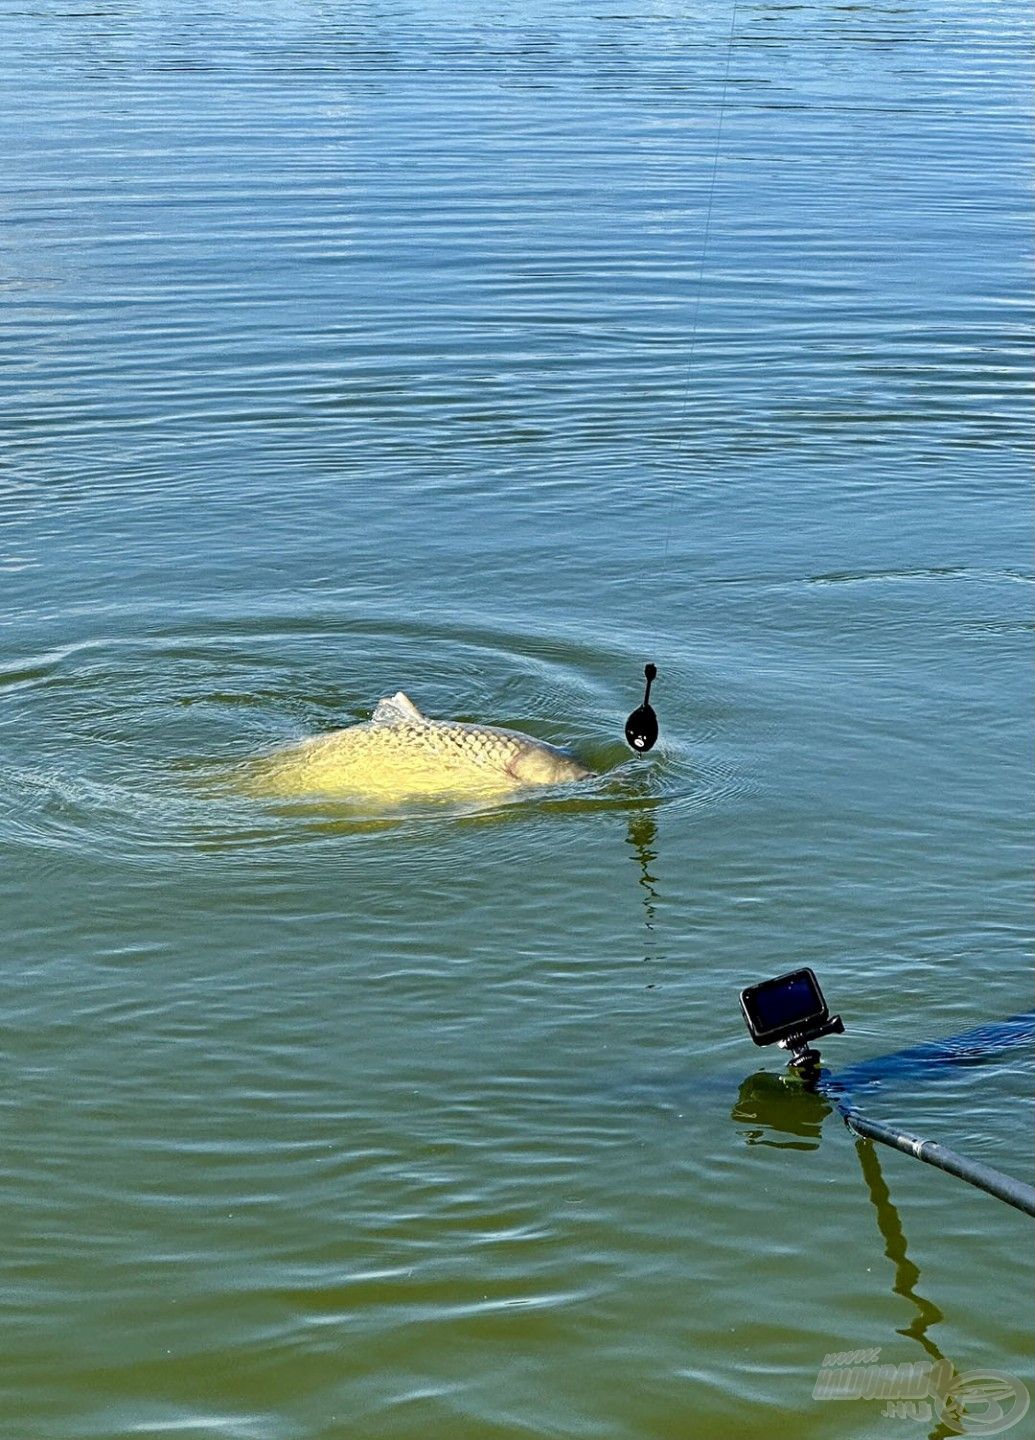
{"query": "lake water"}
(350, 348)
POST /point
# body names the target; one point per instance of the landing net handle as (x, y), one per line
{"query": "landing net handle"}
(984, 1177)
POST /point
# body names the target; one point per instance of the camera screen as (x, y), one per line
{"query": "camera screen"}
(777, 1007)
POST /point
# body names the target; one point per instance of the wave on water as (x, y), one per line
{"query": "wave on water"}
(137, 747)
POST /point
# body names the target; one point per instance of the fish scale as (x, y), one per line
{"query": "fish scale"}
(401, 754)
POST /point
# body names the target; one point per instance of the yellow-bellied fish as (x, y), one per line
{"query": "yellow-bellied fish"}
(400, 754)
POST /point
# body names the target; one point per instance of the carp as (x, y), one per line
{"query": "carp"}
(401, 754)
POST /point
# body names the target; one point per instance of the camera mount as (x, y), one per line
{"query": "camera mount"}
(790, 1011)
(804, 1058)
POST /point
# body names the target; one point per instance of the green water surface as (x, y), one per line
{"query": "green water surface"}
(357, 347)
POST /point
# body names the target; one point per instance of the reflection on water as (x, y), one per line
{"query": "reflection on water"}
(642, 838)
(907, 1273)
(772, 1106)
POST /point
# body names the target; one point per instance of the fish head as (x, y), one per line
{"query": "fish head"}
(543, 765)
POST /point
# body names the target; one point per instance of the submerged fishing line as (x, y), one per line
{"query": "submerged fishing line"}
(641, 728)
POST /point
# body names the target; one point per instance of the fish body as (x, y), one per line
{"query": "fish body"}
(400, 754)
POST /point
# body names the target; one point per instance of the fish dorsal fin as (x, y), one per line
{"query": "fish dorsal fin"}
(397, 709)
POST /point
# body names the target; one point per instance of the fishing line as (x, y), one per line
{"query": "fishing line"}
(641, 728)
